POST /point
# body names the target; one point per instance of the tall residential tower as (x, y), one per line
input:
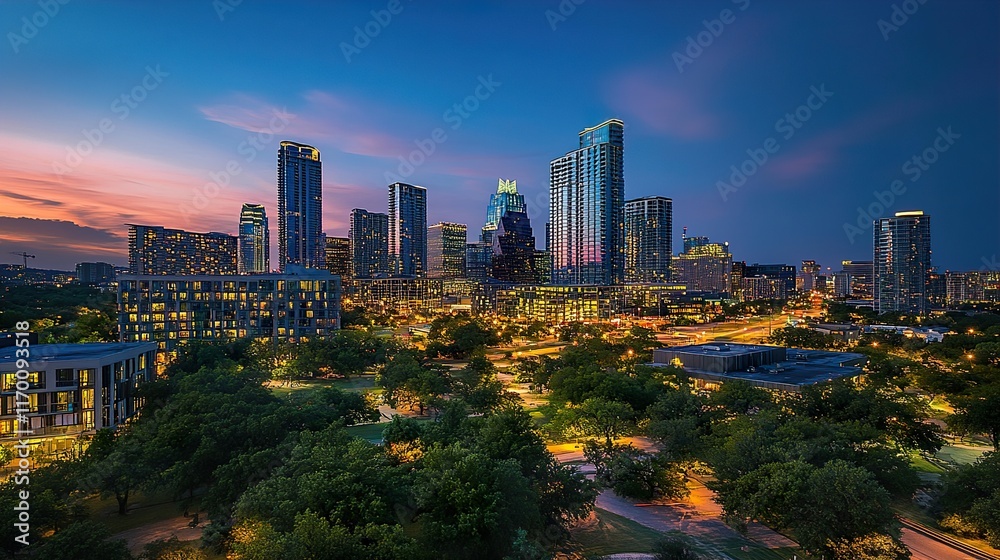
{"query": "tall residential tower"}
(300, 206)
(648, 239)
(587, 209)
(407, 230)
(902, 255)
(369, 240)
(255, 240)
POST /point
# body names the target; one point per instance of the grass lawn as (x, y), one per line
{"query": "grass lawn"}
(608, 533)
(354, 384)
(960, 454)
(151, 509)
(923, 465)
(373, 432)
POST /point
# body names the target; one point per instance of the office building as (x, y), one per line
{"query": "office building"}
(158, 250)
(300, 206)
(407, 230)
(506, 199)
(587, 209)
(857, 278)
(809, 276)
(648, 239)
(694, 241)
(705, 267)
(95, 273)
(514, 250)
(369, 240)
(902, 263)
(255, 240)
(478, 261)
(446, 244)
(543, 267)
(756, 288)
(170, 310)
(339, 258)
(785, 274)
(72, 389)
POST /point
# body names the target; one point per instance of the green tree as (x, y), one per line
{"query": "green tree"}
(86, 540)
(870, 547)
(978, 412)
(674, 548)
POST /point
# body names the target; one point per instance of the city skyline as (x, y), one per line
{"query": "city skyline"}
(692, 114)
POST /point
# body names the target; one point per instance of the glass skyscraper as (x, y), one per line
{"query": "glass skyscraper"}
(446, 250)
(902, 256)
(514, 250)
(255, 240)
(407, 230)
(648, 239)
(587, 209)
(339, 258)
(506, 199)
(369, 240)
(300, 206)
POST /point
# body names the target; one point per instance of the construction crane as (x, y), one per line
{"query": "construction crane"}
(24, 256)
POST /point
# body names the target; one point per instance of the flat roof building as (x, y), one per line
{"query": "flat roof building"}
(768, 367)
(71, 389)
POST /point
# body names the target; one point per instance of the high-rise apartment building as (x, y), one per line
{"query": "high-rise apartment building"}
(506, 199)
(300, 206)
(478, 261)
(339, 258)
(94, 272)
(902, 262)
(587, 209)
(158, 250)
(255, 240)
(407, 230)
(784, 273)
(648, 239)
(809, 275)
(369, 240)
(446, 250)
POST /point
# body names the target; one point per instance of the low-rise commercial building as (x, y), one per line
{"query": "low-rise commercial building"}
(768, 367)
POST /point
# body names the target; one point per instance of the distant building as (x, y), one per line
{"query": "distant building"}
(446, 244)
(809, 276)
(694, 241)
(514, 250)
(768, 367)
(369, 240)
(902, 263)
(543, 267)
(756, 288)
(705, 267)
(407, 230)
(506, 199)
(737, 272)
(95, 273)
(255, 240)
(587, 209)
(301, 240)
(170, 310)
(648, 239)
(585, 302)
(858, 278)
(478, 261)
(785, 275)
(339, 258)
(158, 250)
(72, 389)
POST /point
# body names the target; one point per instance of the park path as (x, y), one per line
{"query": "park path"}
(178, 527)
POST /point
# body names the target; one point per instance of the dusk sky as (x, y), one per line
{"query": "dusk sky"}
(205, 84)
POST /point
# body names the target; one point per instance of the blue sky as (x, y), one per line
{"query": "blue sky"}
(204, 92)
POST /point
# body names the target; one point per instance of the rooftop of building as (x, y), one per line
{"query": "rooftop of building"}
(800, 367)
(78, 351)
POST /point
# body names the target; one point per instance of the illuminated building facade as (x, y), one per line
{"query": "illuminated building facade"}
(72, 389)
(95, 273)
(705, 267)
(170, 310)
(158, 250)
(369, 240)
(300, 206)
(586, 209)
(902, 263)
(339, 258)
(255, 240)
(407, 230)
(446, 244)
(648, 239)
(506, 199)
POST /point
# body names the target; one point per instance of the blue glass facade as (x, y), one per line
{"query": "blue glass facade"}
(506, 199)
(586, 209)
(407, 230)
(300, 206)
(255, 240)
